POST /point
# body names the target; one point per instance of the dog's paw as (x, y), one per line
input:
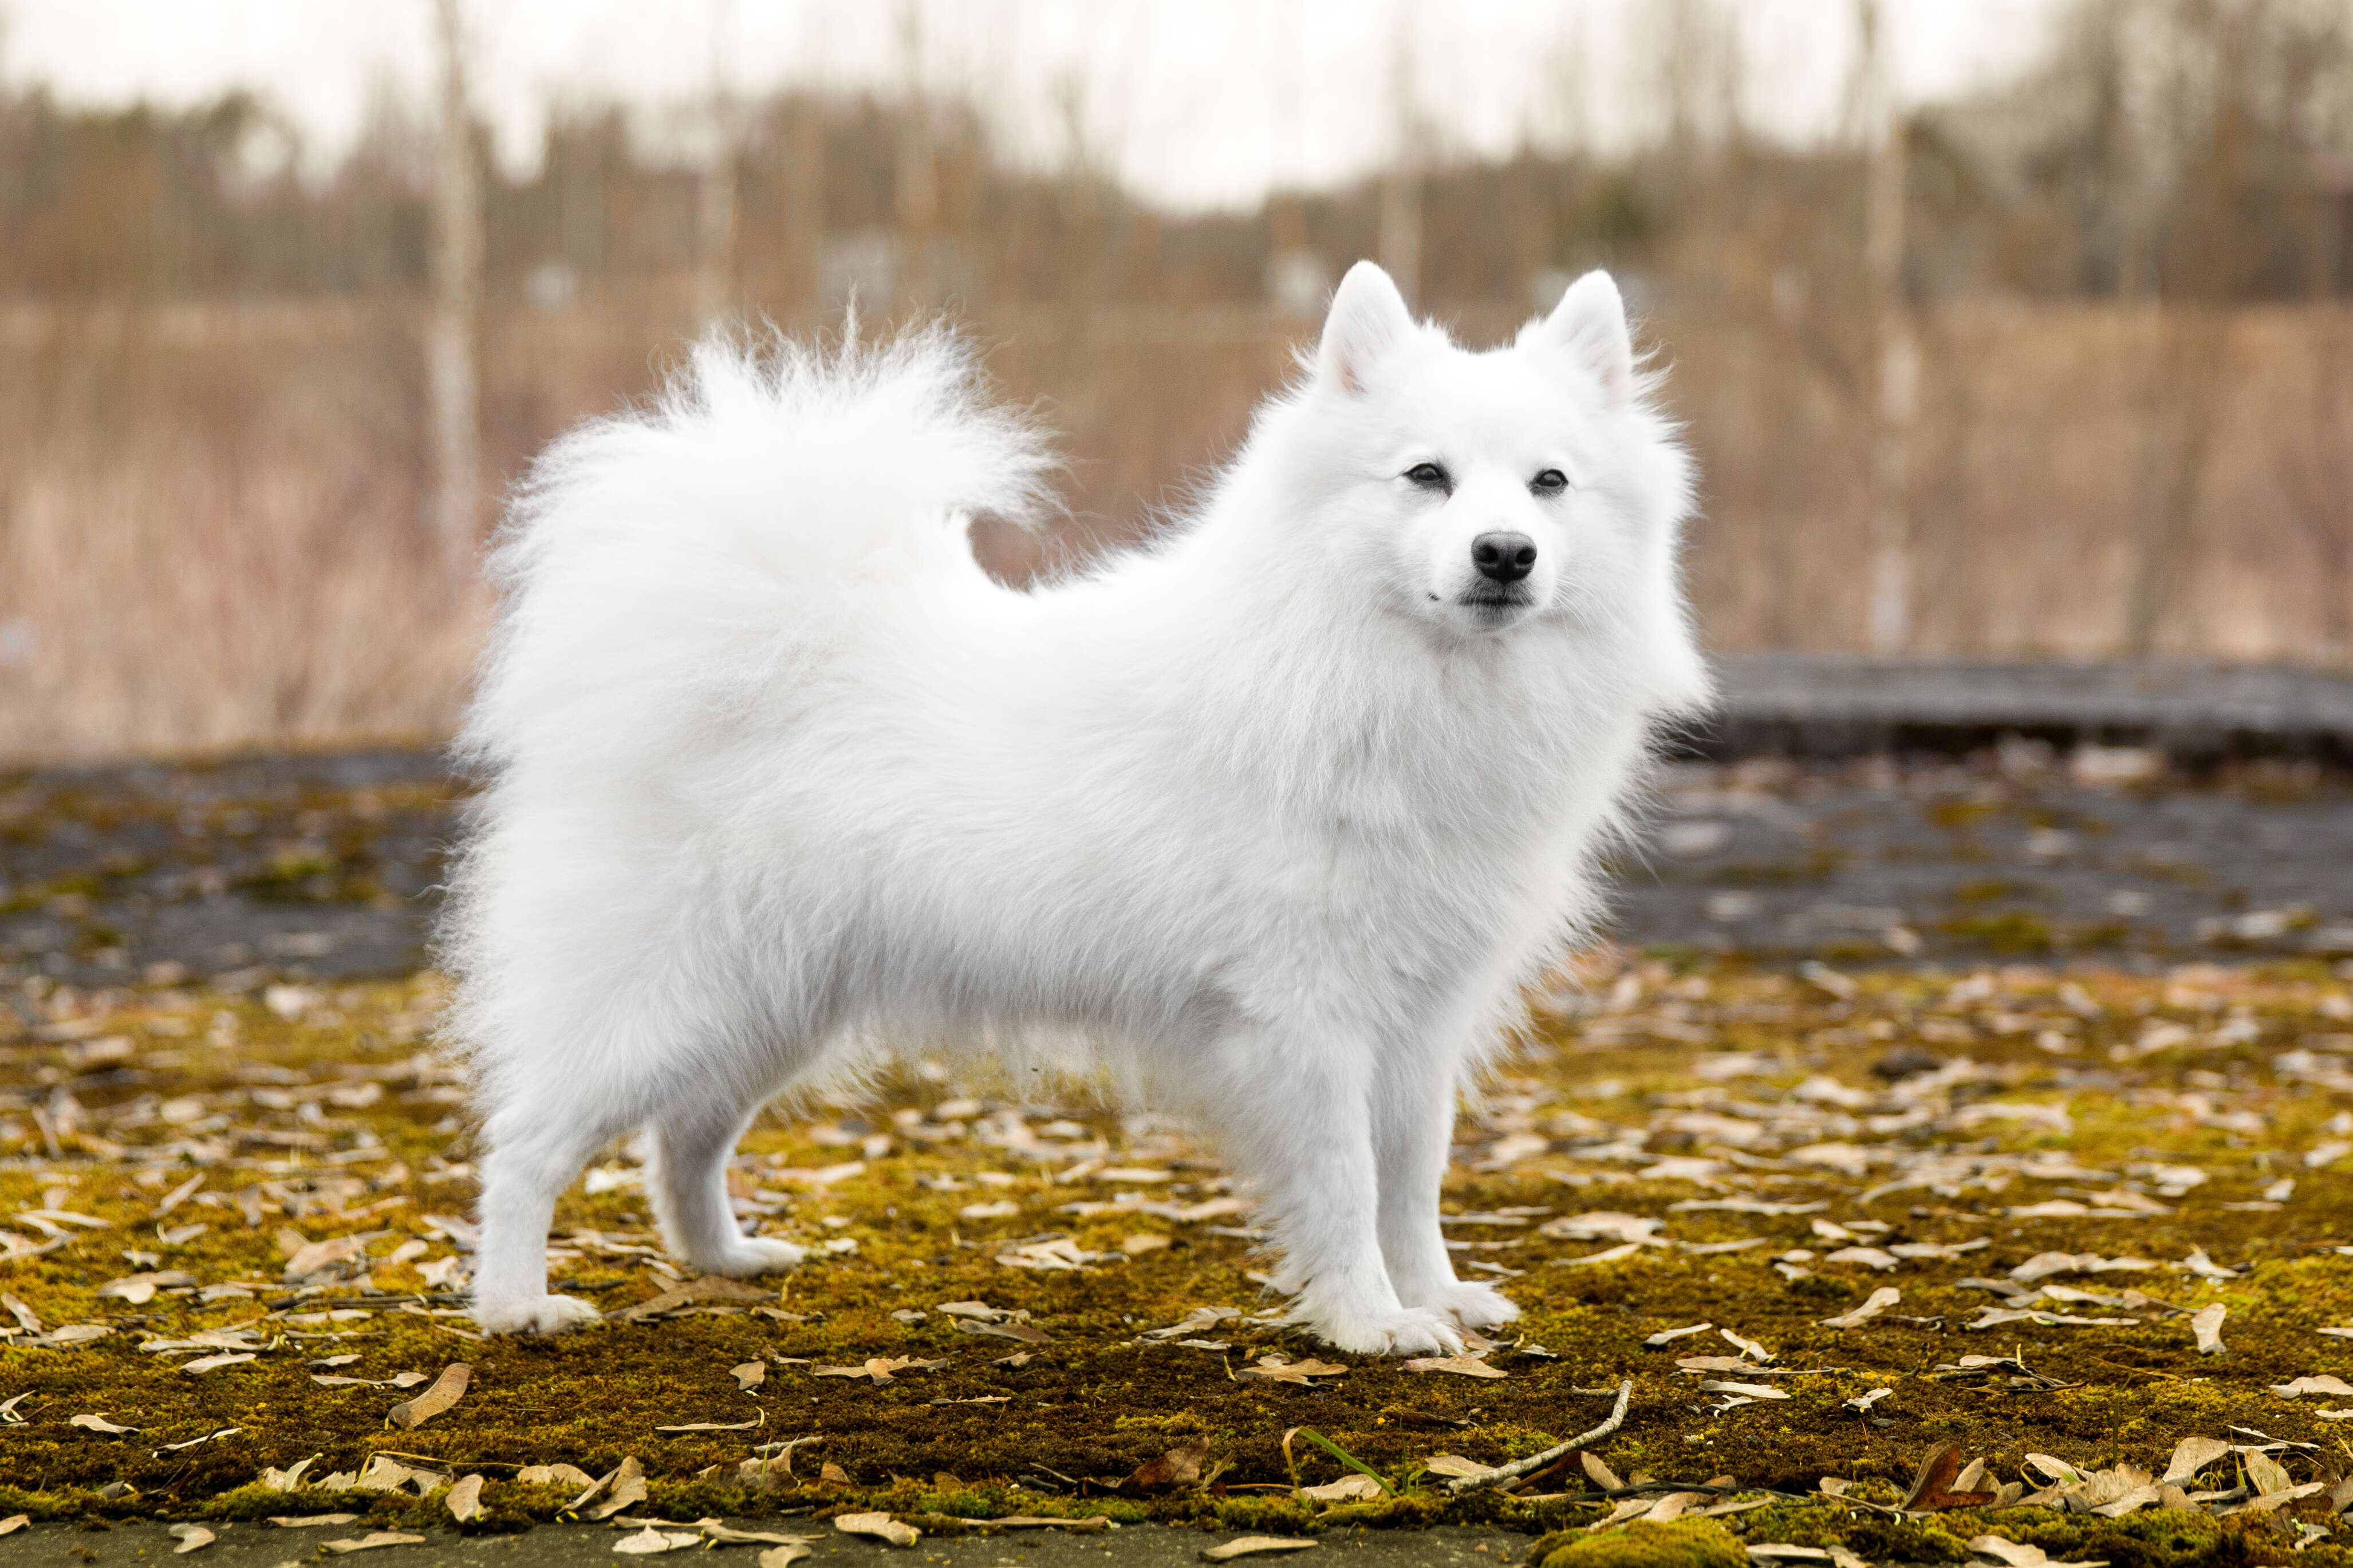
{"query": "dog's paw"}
(1471, 1305)
(752, 1255)
(535, 1315)
(1407, 1330)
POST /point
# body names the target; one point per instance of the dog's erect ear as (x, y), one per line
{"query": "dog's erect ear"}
(1367, 318)
(1589, 325)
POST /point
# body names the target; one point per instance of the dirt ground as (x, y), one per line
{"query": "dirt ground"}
(326, 867)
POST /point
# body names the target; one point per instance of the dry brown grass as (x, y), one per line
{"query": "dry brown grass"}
(212, 517)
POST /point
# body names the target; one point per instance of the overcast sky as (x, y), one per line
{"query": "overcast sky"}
(1196, 102)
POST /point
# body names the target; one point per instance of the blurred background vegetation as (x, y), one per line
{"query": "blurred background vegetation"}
(2062, 367)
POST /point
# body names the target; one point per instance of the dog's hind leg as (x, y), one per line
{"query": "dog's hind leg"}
(688, 1188)
(536, 1144)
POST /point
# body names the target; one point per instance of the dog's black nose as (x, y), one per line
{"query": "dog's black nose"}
(1504, 557)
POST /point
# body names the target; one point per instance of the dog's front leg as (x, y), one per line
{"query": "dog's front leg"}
(1297, 1119)
(1413, 1125)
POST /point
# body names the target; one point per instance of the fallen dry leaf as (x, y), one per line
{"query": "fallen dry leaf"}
(1461, 1365)
(2323, 1385)
(191, 1537)
(1886, 1296)
(782, 1556)
(2268, 1476)
(304, 1521)
(465, 1500)
(2017, 1554)
(1347, 1489)
(1252, 1545)
(204, 1363)
(1668, 1336)
(2190, 1456)
(649, 1539)
(1273, 1369)
(2207, 1324)
(1179, 1466)
(880, 1369)
(554, 1476)
(749, 1375)
(709, 1288)
(627, 1481)
(373, 1539)
(714, 1425)
(447, 1390)
(15, 1522)
(317, 1257)
(139, 1289)
(1021, 1331)
(1932, 1486)
(882, 1526)
(99, 1423)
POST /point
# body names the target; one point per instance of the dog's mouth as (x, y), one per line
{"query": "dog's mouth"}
(1495, 602)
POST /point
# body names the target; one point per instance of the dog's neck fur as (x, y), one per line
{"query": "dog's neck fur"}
(1413, 750)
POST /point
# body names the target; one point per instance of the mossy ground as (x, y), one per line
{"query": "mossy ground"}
(327, 1114)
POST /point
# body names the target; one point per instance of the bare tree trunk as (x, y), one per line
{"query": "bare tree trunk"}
(2315, 466)
(805, 204)
(451, 376)
(916, 187)
(1895, 349)
(2193, 344)
(714, 229)
(1400, 232)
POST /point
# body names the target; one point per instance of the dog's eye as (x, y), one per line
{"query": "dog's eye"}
(1551, 482)
(1431, 476)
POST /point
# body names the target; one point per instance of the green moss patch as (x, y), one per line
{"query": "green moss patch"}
(1757, 1152)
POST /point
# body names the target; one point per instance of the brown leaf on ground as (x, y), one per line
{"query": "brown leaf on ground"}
(373, 1539)
(2325, 1383)
(465, 1500)
(1179, 1466)
(1252, 1545)
(556, 1476)
(1022, 1332)
(2207, 1324)
(1461, 1365)
(629, 1484)
(1347, 1489)
(782, 1556)
(317, 1257)
(750, 1375)
(1932, 1487)
(881, 1526)
(710, 1287)
(1270, 1369)
(1886, 1296)
(99, 1423)
(191, 1537)
(447, 1390)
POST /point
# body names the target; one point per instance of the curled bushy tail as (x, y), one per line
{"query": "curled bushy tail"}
(662, 563)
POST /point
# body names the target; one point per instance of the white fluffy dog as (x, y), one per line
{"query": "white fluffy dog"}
(1276, 816)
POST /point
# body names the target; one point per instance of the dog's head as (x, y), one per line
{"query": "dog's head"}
(1483, 491)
